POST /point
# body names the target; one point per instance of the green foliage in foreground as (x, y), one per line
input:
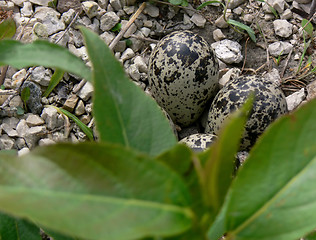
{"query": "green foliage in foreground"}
(137, 182)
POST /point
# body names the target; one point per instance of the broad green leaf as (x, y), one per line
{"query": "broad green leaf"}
(248, 29)
(311, 236)
(220, 165)
(95, 191)
(17, 229)
(88, 131)
(124, 114)
(25, 94)
(308, 27)
(117, 27)
(57, 76)
(274, 194)
(41, 53)
(7, 28)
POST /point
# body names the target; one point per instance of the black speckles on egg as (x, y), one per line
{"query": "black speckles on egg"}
(269, 104)
(183, 75)
(199, 141)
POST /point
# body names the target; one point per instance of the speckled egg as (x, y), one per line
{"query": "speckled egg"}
(268, 105)
(199, 142)
(183, 75)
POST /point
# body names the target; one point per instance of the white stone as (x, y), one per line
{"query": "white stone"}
(18, 78)
(27, 10)
(230, 75)
(140, 64)
(50, 116)
(45, 142)
(218, 35)
(279, 48)
(50, 18)
(80, 109)
(133, 72)
(127, 54)
(90, 8)
(86, 91)
(278, 5)
(12, 121)
(287, 14)
(16, 101)
(33, 135)
(221, 23)
(22, 128)
(23, 151)
(311, 90)
(33, 120)
(151, 10)
(41, 76)
(68, 16)
(273, 76)
(248, 18)
(18, 2)
(116, 4)
(283, 28)
(108, 21)
(129, 9)
(145, 31)
(131, 30)
(295, 99)
(198, 20)
(40, 30)
(228, 51)
(303, 1)
(9, 130)
(6, 143)
(6, 6)
(107, 37)
(40, 2)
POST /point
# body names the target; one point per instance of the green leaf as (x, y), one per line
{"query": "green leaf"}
(41, 53)
(208, 3)
(308, 27)
(19, 111)
(57, 76)
(248, 29)
(95, 191)
(17, 229)
(176, 2)
(124, 114)
(7, 28)
(25, 94)
(88, 131)
(273, 196)
(220, 166)
(117, 27)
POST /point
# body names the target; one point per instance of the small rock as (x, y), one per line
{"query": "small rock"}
(283, 28)
(273, 76)
(90, 8)
(33, 120)
(133, 72)
(303, 1)
(15, 102)
(248, 18)
(33, 135)
(23, 151)
(40, 2)
(132, 29)
(80, 109)
(11, 121)
(66, 5)
(51, 117)
(228, 51)
(71, 103)
(27, 10)
(45, 142)
(231, 74)
(278, 5)
(108, 21)
(129, 9)
(221, 23)
(22, 128)
(311, 91)
(120, 46)
(18, 2)
(127, 54)
(53, 24)
(218, 35)
(86, 91)
(20, 143)
(140, 64)
(295, 99)
(18, 78)
(287, 14)
(107, 37)
(235, 3)
(145, 31)
(41, 76)
(62, 41)
(116, 4)
(198, 20)
(40, 30)
(280, 48)
(151, 10)
(6, 143)
(9, 130)
(68, 16)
